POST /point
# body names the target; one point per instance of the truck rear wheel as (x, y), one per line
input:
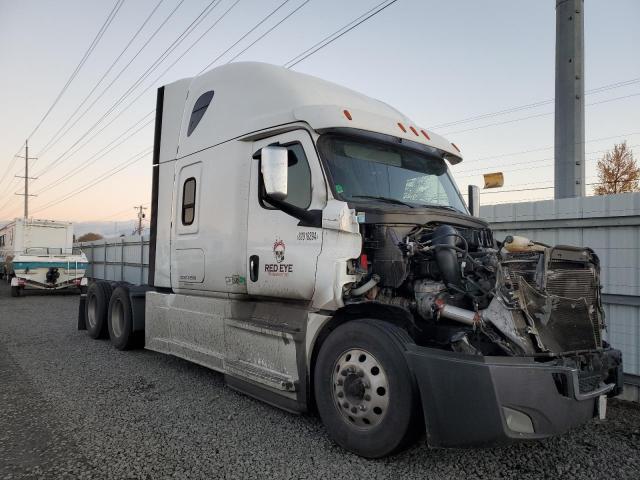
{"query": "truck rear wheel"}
(120, 320)
(97, 305)
(365, 393)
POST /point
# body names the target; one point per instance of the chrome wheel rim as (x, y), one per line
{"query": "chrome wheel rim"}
(92, 311)
(117, 318)
(360, 388)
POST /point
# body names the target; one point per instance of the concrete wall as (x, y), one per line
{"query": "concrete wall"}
(610, 225)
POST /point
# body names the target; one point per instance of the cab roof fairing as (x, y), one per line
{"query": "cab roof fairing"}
(325, 117)
(253, 96)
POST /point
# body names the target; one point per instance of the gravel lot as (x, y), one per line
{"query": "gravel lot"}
(74, 407)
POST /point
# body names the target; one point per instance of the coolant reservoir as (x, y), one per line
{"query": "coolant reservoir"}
(514, 243)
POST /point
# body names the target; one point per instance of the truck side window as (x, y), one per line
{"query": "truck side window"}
(188, 201)
(199, 108)
(299, 178)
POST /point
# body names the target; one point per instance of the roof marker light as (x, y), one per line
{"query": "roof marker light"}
(426, 135)
(347, 114)
(455, 146)
(402, 127)
(415, 132)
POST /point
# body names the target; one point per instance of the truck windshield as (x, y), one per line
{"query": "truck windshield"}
(366, 171)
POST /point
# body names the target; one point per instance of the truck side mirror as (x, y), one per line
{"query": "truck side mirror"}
(474, 200)
(274, 167)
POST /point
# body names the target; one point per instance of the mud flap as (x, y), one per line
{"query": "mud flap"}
(82, 319)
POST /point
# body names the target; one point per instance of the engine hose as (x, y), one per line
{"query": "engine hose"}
(362, 289)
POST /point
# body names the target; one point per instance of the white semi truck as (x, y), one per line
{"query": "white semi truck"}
(309, 243)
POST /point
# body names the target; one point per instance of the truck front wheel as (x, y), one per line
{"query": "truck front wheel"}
(365, 393)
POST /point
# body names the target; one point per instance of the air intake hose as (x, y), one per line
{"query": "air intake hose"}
(446, 258)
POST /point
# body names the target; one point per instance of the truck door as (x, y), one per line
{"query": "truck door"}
(281, 254)
(187, 261)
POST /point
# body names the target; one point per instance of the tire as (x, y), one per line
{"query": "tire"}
(15, 291)
(120, 320)
(365, 393)
(97, 307)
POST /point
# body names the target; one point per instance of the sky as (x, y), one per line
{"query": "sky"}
(439, 62)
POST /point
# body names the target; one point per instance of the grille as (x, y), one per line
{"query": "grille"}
(576, 283)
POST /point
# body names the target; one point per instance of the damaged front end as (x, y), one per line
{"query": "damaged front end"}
(508, 335)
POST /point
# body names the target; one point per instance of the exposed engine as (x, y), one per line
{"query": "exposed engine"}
(468, 293)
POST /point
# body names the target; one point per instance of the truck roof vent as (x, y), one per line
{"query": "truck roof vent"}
(199, 108)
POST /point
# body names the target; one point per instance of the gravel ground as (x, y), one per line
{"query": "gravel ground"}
(73, 407)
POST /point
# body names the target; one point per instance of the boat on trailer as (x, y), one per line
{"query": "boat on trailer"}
(39, 254)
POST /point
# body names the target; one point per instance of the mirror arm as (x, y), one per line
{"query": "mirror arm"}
(308, 218)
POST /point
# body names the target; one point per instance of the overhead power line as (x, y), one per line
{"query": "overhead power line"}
(530, 165)
(52, 142)
(527, 106)
(537, 115)
(245, 35)
(117, 169)
(207, 10)
(97, 156)
(268, 31)
(73, 75)
(550, 147)
(329, 39)
(83, 60)
(104, 75)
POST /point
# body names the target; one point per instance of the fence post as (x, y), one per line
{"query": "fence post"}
(122, 260)
(141, 260)
(104, 265)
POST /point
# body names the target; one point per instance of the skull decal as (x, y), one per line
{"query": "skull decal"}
(278, 251)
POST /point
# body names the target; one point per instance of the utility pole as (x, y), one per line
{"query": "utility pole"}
(26, 179)
(569, 169)
(141, 216)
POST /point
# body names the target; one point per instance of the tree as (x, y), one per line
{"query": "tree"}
(89, 237)
(617, 171)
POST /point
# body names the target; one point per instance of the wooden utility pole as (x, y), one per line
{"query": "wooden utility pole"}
(26, 179)
(141, 216)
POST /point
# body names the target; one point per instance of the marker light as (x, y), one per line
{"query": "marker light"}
(347, 114)
(402, 127)
(415, 132)
(426, 135)
(455, 146)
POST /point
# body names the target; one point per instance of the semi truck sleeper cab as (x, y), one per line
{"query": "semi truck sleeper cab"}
(310, 243)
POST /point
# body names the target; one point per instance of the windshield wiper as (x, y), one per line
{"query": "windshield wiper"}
(435, 205)
(384, 199)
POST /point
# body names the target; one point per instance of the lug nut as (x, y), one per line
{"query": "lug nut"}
(363, 408)
(366, 397)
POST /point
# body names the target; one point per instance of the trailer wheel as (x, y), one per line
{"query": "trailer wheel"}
(15, 291)
(97, 305)
(121, 320)
(364, 391)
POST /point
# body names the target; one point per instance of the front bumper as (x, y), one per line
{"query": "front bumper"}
(466, 399)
